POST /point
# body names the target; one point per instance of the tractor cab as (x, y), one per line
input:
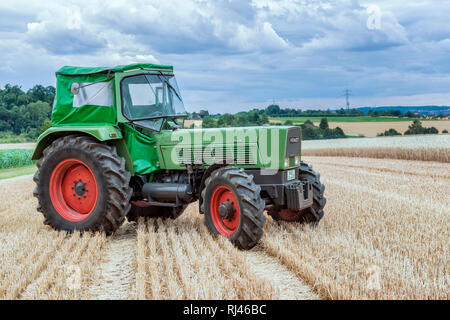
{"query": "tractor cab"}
(147, 99)
(140, 94)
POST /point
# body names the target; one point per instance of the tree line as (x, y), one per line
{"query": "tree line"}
(25, 113)
(255, 118)
(275, 110)
(415, 128)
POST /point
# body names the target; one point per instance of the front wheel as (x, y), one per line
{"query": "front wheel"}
(82, 184)
(233, 207)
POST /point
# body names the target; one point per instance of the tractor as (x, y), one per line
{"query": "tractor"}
(117, 150)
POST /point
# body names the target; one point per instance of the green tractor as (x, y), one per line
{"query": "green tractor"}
(117, 150)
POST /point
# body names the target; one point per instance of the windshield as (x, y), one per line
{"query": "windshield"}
(151, 96)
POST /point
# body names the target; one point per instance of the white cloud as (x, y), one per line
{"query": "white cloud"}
(238, 53)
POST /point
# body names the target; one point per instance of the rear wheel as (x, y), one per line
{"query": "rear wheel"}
(233, 207)
(312, 214)
(82, 184)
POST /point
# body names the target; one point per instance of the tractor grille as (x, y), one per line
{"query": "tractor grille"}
(237, 154)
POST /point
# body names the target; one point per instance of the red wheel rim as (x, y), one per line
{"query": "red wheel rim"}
(289, 215)
(73, 190)
(223, 195)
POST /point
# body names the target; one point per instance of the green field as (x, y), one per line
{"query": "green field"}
(15, 172)
(15, 158)
(343, 119)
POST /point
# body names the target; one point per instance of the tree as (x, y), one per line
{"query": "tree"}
(45, 125)
(309, 133)
(323, 124)
(409, 114)
(416, 128)
(208, 122)
(204, 113)
(339, 132)
(273, 110)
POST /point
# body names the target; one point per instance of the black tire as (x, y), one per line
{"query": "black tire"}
(112, 180)
(315, 213)
(154, 212)
(251, 206)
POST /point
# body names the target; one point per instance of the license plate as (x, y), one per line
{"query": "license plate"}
(291, 174)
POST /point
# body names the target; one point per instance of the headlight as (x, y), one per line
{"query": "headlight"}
(297, 160)
(286, 162)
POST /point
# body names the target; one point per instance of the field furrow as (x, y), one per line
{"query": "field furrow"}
(180, 260)
(286, 282)
(115, 275)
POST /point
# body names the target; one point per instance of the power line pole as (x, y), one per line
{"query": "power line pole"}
(347, 94)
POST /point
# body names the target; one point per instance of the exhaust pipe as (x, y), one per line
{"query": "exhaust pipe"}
(168, 192)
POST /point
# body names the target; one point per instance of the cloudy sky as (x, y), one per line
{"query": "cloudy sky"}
(232, 55)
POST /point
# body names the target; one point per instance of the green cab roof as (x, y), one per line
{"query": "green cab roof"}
(69, 70)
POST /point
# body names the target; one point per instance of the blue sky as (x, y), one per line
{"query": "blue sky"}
(234, 55)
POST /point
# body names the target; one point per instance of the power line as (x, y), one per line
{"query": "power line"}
(347, 94)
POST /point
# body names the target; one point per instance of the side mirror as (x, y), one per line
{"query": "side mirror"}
(75, 88)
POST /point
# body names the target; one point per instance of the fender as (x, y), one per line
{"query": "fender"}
(207, 173)
(101, 133)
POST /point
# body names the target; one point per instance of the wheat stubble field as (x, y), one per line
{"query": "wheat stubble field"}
(385, 235)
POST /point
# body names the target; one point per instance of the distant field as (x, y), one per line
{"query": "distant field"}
(412, 142)
(345, 119)
(368, 126)
(423, 148)
(371, 129)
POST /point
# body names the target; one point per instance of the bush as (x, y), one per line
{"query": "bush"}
(318, 133)
(390, 132)
(288, 123)
(324, 124)
(444, 131)
(417, 128)
(46, 125)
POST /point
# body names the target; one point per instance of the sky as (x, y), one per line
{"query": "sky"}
(233, 55)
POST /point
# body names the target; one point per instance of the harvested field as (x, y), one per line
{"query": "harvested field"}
(371, 129)
(421, 154)
(422, 148)
(384, 236)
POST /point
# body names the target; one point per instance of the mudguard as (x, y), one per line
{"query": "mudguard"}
(101, 133)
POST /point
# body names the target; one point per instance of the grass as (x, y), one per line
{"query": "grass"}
(343, 119)
(14, 158)
(15, 172)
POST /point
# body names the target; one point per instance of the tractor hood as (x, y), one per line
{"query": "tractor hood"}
(272, 147)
